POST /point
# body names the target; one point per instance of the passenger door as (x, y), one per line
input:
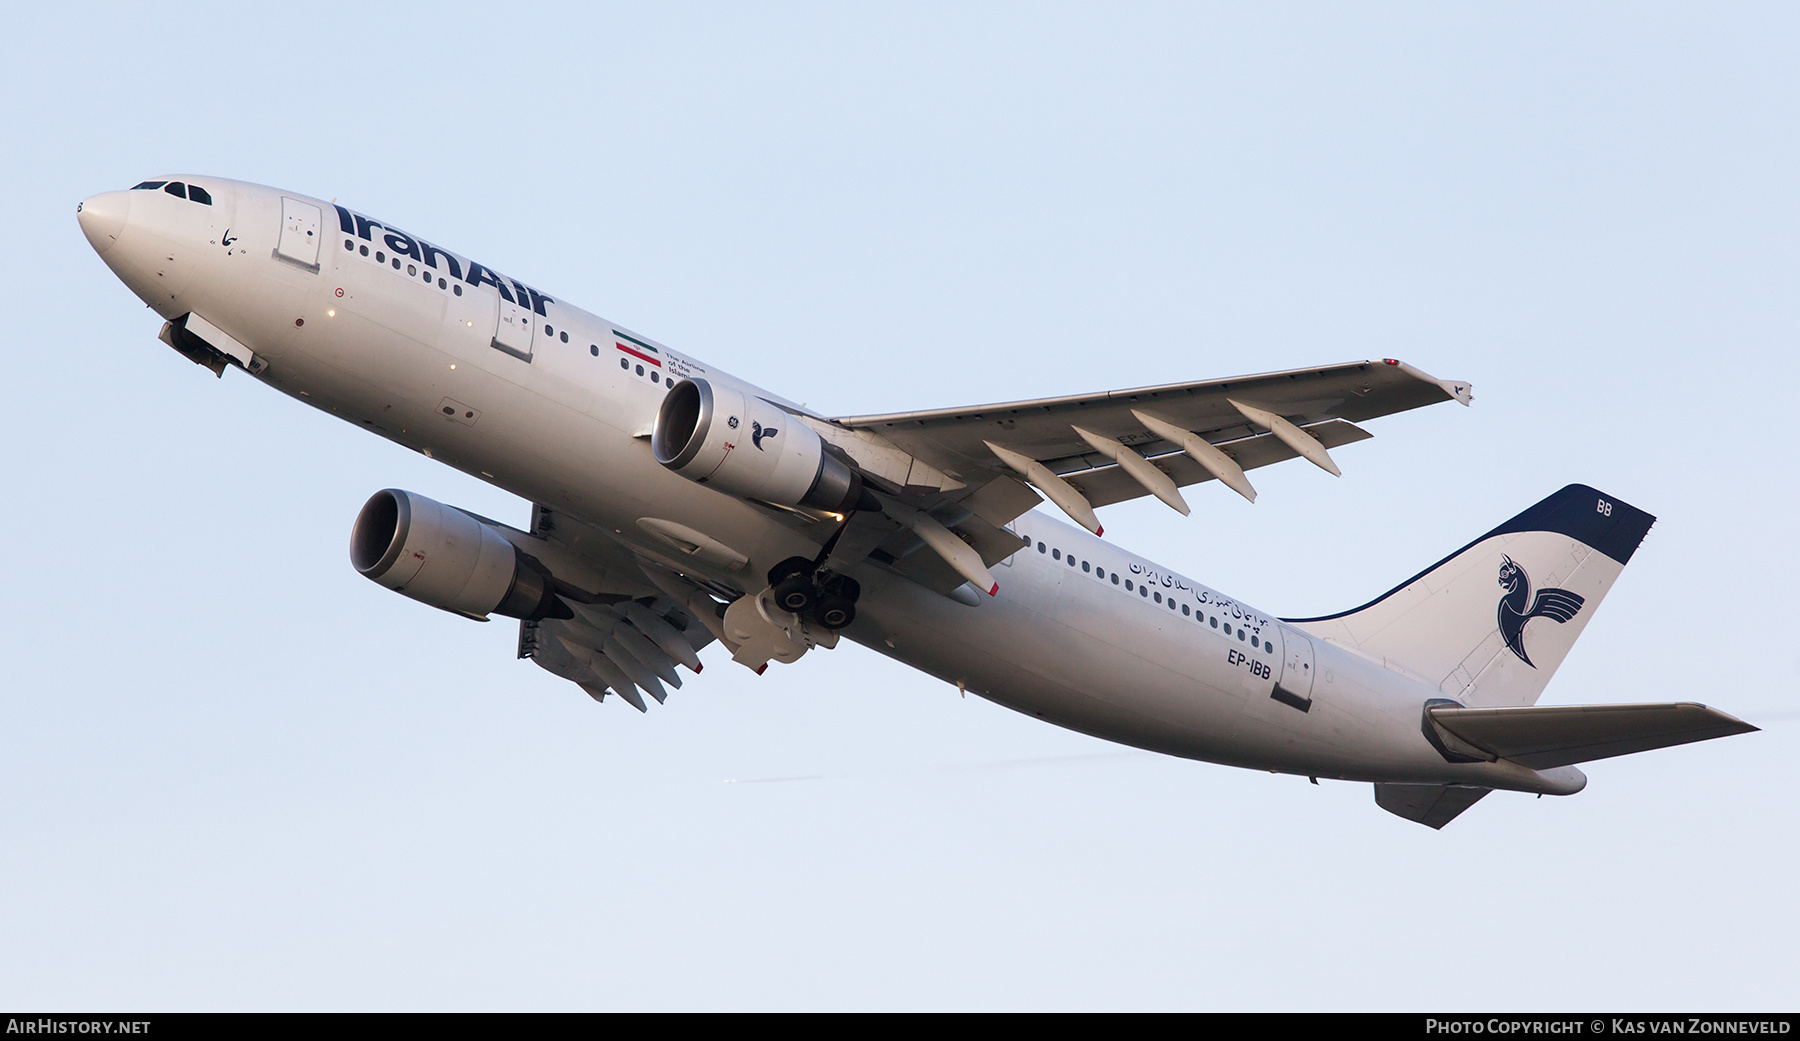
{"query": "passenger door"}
(1294, 686)
(513, 330)
(299, 242)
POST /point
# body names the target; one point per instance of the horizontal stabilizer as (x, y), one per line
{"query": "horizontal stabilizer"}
(1543, 736)
(1433, 805)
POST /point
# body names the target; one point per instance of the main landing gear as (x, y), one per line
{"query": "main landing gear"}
(808, 587)
(803, 587)
(804, 606)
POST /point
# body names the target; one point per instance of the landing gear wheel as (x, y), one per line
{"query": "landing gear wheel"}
(791, 584)
(794, 593)
(836, 607)
(834, 612)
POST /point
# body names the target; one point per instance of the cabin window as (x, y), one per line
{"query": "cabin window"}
(350, 244)
(594, 349)
(1268, 647)
(640, 369)
(1171, 603)
(1215, 622)
(176, 188)
(396, 263)
(1145, 591)
(655, 377)
(1159, 598)
(1056, 554)
(1184, 610)
(458, 288)
(411, 270)
(364, 251)
(199, 195)
(1115, 578)
(565, 337)
(1240, 636)
(380, 257)
(442, 284)
(623, 364)
(1040, 547)
(1084, 566)
(1128, 586)
(548, 331)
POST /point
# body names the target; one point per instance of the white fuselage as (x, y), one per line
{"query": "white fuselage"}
(380, 336)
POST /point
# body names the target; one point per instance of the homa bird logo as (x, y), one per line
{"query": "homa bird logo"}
(1559, 605)
(758, 432)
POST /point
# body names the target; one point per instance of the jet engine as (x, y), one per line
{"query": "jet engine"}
(719, 436)
(441, 556)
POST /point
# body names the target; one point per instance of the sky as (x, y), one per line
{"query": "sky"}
(236, 775)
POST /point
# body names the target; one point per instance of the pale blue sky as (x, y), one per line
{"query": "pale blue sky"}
(234, 774)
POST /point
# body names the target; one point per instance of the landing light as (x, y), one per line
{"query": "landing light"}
(331, 313)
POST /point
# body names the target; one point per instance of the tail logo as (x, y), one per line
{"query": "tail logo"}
(1559, 605)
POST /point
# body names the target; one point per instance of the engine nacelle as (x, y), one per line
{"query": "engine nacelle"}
(719, 436)
(441, 556)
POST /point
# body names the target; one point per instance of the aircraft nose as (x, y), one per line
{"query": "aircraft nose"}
(103, 217)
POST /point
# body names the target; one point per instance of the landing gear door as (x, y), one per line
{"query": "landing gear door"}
(299, 242)
(513, 331)
(1294, 684)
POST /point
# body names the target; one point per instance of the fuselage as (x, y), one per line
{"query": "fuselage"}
(518, 387)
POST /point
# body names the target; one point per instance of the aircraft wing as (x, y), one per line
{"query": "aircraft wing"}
(1118, 445)
(636, 622)
(630, 648)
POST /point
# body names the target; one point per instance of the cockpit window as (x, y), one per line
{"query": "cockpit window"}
(190, 192)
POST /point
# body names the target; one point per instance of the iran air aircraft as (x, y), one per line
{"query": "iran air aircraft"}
(675, 505)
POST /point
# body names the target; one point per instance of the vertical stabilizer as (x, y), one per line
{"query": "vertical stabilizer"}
(1489, 624)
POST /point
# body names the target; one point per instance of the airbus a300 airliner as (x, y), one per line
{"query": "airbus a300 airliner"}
(675, 505)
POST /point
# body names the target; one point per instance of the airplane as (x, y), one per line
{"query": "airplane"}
(675, 506)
